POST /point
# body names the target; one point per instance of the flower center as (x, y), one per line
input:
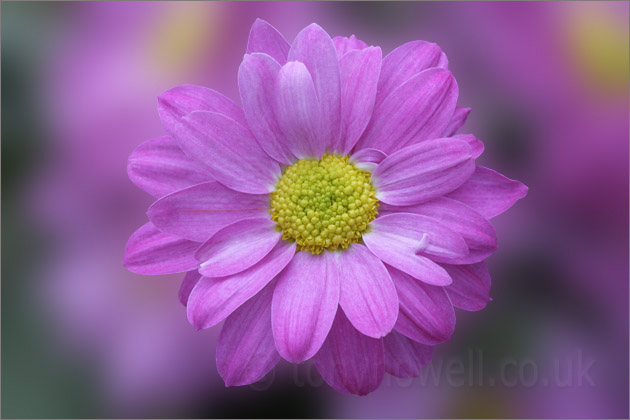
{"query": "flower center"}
(323, 204)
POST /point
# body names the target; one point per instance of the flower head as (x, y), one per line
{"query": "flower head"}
(336, 215)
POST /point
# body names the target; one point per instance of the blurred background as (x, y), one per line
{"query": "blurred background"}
(82, 337)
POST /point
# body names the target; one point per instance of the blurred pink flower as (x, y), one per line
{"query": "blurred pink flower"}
(272, 208)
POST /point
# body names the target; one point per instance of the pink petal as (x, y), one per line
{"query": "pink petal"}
(475, 144)
(190, 280)
(398, 238)
(257, 81)
(404, 357)
(426, 313)
(422, 172)
(345, 44)
(367, 159)
(471, 286)
(237, 247)
(314, 48)
(405, 62)
(150, 251)
(359, 76)
(304, 305)
(182, 100)
(198, 212)
(417, 110)
(264, 38)
(213, 299)
(349, 361)
(457, 121)
(368, 296)
(458, 217)
(159, 167)
(298, 111)
(437, 238)
(489, 192)
(229, 152)
(245, 349)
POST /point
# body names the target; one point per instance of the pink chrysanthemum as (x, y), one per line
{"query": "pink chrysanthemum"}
(336, 215)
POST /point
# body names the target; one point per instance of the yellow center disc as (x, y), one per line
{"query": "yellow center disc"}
(323, 204)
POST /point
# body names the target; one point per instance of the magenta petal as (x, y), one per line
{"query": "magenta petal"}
(478, 233)
(457, 121)
(182, 100)
(257, 81)
(424, 171)
(298, 111)
(264, 38)
(368, 296)
(405, 62)
(229, 152)
(404, 357)
(245, 349)
(471, 286)
(345, 44)
(213, 299)
(188, 283)
(489, 192)
(367, 159)
(304, 304)
(417, 110)
(198, 212)
(475, 144)
(314, 48)
(426, 313)
(159, 167)
(398, 238)
(359, 76)
(237, 247)
(349, 361)
(150, 251)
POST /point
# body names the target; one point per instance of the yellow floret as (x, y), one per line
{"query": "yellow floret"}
(323, 204)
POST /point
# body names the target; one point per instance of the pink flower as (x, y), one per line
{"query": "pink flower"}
(335, 216)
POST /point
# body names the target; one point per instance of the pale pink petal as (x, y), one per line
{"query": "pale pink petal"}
(349, 361)
(423, 172)
(470, 289)
(229, 152)
(345, 44)
(188, 283)
(182, 100)
(245, 349)
(257, 81)
(489, 192)
(298, 112)
(457, 121)
(159, 167)
(197, 212)
(368, 296)
(237, 247)
(475, 144)
(478, 233)
(397, 239)
(405, 62)
(404, 357)
(314, 48)
(417, 110)
(304, 304)
(150, 251)
(426, 313)
(359, 76)
(264, 38)
(367, 159)
(212, 299)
